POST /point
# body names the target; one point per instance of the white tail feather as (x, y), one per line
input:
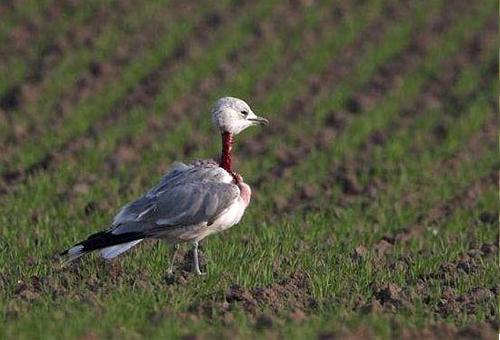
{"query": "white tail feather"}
(73, 254)
(113, 251)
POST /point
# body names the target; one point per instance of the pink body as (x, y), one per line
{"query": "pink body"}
(246, 192)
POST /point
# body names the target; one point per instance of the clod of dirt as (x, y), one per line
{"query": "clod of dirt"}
(126, 154)
(359, 252)
(336, 120)
(391, 297)
(90, 208)
(378, 137)
(178, 278)
(489, 249)
(95, 68)
(11, 99)
(309, 191)
(488, 217)
(30, 290)
(243, 297)
(467, 265)
(81, 188)
(373, 307)
(388, 292)
(353, 105)
(264, 322)
(297, 315)
(190, 337)
(292, 293)
(383, 247)
(440, 131)
(452, 303)
(348, 181)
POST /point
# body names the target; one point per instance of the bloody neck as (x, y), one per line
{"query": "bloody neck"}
(227, 148)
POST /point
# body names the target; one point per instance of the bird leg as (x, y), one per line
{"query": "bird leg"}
(196, 264)
(170, 271)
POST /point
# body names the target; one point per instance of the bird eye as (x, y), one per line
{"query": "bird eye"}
(244, 113)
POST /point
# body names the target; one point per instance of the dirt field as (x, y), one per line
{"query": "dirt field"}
(375, 188)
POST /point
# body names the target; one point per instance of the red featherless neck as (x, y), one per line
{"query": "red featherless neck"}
(227, 149)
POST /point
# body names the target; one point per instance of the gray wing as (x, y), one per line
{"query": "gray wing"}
(199, 170)
(183, 205)
(187, 181)
(192, 204)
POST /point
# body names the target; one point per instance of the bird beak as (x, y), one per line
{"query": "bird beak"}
(259, 120)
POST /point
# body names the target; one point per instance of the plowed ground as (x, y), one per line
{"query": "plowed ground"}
(375, 187)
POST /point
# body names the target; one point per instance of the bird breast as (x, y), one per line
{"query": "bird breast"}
(245, 193)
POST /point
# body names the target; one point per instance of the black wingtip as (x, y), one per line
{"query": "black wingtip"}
(104, 239)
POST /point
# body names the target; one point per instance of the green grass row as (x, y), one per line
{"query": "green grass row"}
(180, 82)
(95, 107)
(353, 227)
(62, 79)
(359, 128)
(29, 10)
(50, 186)
(45, 185)
(143, 303)
(288, 236)
(374, 55)
(15, 69)
(243, 83)
(309, 172)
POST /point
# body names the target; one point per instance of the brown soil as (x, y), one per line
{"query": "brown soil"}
(290, 296)
(143, 96)
(347, 171)
(23, 37)
(449, 273)
(191, 105)
(438, 331)
(319, 86)
(98, 74)
(464, 200)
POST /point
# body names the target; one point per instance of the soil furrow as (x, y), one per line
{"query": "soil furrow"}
(345, 172)
(463, 200)
(279, 72)
(61, 84)
(144, 94)
(191, 151)
(38, 45)
(27, 30)
(373, 93)
(147, 86)
(100, 76)
(248, 299)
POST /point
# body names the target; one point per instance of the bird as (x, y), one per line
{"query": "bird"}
(191, 201)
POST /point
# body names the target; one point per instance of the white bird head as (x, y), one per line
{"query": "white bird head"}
(233, 115)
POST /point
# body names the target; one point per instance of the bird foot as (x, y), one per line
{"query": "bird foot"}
(200, 273)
